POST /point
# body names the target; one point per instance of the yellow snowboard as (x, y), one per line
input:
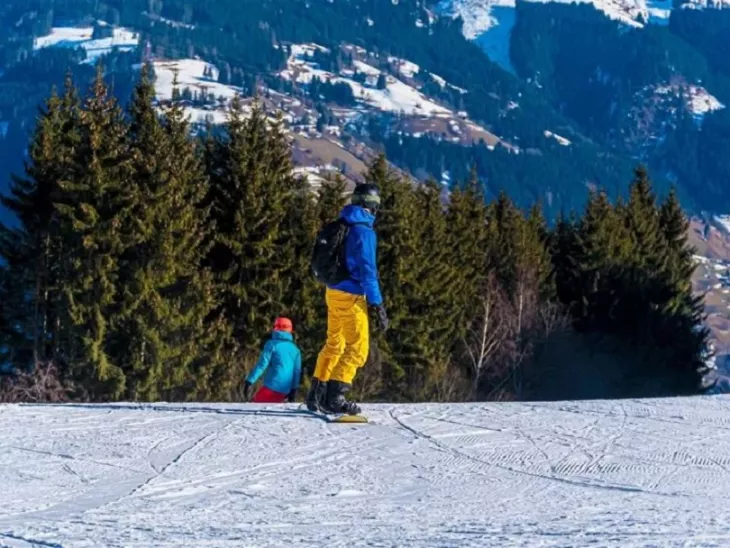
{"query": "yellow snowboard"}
(352, 419)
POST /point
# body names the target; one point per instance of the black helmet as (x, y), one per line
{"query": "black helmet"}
(367, 195)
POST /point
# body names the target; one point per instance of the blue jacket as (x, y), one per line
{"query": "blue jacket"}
(360, 255)
(282, 361)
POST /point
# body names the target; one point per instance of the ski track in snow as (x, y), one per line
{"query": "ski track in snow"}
(612, 473)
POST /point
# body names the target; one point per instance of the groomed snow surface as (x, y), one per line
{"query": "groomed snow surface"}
(619, 473)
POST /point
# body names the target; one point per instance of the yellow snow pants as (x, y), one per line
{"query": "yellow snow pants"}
(347, 346)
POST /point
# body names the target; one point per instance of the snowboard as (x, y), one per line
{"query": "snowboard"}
(336, 418)
(349, 419)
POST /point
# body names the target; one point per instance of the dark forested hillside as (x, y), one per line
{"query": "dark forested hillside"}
(658, 93)
(249, 43)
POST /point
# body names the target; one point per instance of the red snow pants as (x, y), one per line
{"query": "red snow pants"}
(264, 395)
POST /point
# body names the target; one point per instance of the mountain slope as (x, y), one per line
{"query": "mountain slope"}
(438, 87)
(626, 473)
(442, 85)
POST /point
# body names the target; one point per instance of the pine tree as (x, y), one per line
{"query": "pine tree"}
(468, 235)
(517, 247)
(252, 189)
(331, 198)
(303, 298)
(92, 218)
(394, 225)
(164, 340)
(641, 217)
(429, 288)
(565, 258)
(34, 251)
(534, 262)
(674, 227)
(603, 245)
(683, 311)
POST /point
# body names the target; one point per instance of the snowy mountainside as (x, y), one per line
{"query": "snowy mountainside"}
(614, 473)
(403, 79)
(402, 101)
(478, 18)
(489, 22)
(716, 4)
(400, 95)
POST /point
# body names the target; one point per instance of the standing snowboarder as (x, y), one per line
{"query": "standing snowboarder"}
(347, 345)
(281, 359)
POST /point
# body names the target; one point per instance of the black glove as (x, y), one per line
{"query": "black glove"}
(246, 391)
(382, 317)
(292, 396)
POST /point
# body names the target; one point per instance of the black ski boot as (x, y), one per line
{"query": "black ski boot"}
(316, 395)
(336, 402)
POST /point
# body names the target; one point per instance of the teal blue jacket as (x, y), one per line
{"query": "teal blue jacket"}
(281, 360)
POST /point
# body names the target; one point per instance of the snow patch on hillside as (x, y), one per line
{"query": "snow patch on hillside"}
(410, 70)
(659, 11)
(625, 473)
(201, 79)
(561, 140)
(123, 40)
(64, 37)
(713, 4)
(396, 97)
(724, 222)
(699, 101)
(407, 68)
(169, 22)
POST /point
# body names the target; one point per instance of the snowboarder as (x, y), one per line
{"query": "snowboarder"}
(347, 345)
(281, 359)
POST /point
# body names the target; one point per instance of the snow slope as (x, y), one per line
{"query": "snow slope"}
(396, 97)
(621, 473)
(81, 37)
(190, 74)
(699, 101)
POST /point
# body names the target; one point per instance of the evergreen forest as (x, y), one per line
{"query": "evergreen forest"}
(149, 263)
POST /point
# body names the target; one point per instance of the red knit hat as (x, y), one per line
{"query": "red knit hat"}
(283, 324)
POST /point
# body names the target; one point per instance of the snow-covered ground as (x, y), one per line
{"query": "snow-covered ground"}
(560, 139)
(191, 74)
(619, 473)
(723, 222)
(82, 37)
(699, 101)
(716, 4)
(396, 97)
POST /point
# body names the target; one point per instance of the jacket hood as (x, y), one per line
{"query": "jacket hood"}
(282, 336)
(357, 214)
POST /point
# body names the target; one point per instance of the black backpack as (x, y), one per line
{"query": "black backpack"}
(328, 256)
